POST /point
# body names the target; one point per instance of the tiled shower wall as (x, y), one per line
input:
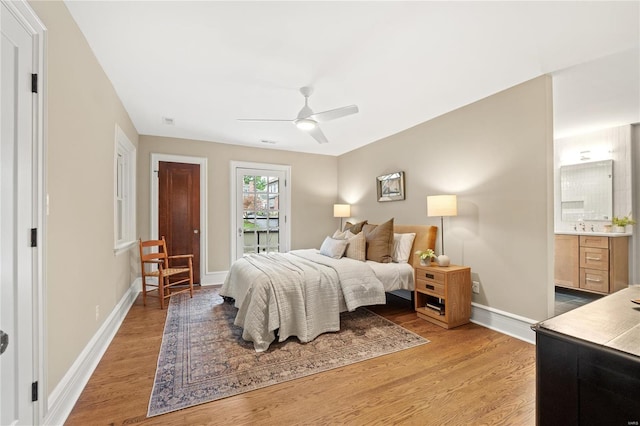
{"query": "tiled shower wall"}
(613, 143)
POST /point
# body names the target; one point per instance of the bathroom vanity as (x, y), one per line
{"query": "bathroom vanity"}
(593, 262)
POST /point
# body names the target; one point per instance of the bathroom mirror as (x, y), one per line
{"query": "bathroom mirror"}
(587, 191)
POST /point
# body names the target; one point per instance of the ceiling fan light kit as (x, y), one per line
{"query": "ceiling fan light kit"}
(307, 120)
(305, 124)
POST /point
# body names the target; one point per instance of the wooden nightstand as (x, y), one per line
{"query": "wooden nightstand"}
(443, 294)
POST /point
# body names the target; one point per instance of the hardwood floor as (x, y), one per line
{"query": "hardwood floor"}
(466, 375)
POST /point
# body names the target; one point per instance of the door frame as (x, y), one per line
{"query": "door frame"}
(156, 158)
(285, 243)
(39, 199)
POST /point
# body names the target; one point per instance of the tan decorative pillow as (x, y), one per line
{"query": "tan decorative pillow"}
(355, 228)
(368, 227)
(379, 241)
(340, 235)
(357, 248)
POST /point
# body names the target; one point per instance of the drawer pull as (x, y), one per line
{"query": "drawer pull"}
(593, 258)
(430, 287)
(430, 276)
(594, 280)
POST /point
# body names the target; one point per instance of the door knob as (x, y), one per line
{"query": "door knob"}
(195, 231)
(4, 341)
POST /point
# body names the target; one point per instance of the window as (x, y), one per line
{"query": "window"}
(124, 192)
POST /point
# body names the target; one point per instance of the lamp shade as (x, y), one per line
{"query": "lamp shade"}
(442, 205)
(341, 210)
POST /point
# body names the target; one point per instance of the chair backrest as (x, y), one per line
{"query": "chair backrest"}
(153, 250)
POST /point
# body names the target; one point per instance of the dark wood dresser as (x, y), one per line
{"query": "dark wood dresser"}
(588, 364)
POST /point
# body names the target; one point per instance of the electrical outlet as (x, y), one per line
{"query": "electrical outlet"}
(475, 287)
(97, 312)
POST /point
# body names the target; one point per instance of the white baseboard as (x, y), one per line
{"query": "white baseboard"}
(214, 278)
(66, 393)
(504, 322)
(495, 319)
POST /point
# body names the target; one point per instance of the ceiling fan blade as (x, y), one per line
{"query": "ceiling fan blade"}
(263, 119)
(317, 134)
(332, 114)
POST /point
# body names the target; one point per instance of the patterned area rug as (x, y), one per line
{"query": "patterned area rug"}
(203, 357)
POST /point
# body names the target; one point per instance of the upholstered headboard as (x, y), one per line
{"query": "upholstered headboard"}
(425, 238)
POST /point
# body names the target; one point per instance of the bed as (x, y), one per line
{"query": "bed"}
(301, 293)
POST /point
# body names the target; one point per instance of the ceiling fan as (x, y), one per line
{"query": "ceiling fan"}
(308, 120)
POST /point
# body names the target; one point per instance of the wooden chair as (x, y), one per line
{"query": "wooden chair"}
(167, 277)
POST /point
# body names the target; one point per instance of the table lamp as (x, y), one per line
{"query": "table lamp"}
(341, 211)
(442, 205)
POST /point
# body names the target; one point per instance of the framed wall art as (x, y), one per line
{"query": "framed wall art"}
(390, 187)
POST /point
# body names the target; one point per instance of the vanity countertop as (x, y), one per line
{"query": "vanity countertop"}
(596, 234)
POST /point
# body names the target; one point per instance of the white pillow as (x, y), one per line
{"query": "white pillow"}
(402, 244)
(333, 248)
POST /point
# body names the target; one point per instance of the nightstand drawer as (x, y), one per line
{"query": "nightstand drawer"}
(594, 280)
(430, 275)
(594, 258)
(430, 286)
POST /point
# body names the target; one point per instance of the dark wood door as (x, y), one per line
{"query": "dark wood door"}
(179, 210)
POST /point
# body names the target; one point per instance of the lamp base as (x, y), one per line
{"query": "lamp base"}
(443, 260)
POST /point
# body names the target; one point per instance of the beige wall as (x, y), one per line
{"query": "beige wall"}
(497, 156)
(82, 272)
(313, 191)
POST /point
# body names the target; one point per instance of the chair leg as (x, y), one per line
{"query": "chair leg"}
(144, 290)
(161, 290)
(191, 278)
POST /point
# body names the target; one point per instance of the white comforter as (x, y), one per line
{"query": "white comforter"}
(299, 293)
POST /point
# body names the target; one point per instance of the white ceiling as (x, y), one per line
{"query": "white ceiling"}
(206, 63)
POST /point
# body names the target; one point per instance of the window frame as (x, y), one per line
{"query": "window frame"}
(124, 179)
(238, 169)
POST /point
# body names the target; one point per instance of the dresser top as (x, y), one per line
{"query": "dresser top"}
(612, 322)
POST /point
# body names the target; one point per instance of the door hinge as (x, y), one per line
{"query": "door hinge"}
(34, 391)
(34, 83)
(34, 237)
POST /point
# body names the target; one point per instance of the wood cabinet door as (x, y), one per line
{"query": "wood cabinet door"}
(567, 263)
(179, 210)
